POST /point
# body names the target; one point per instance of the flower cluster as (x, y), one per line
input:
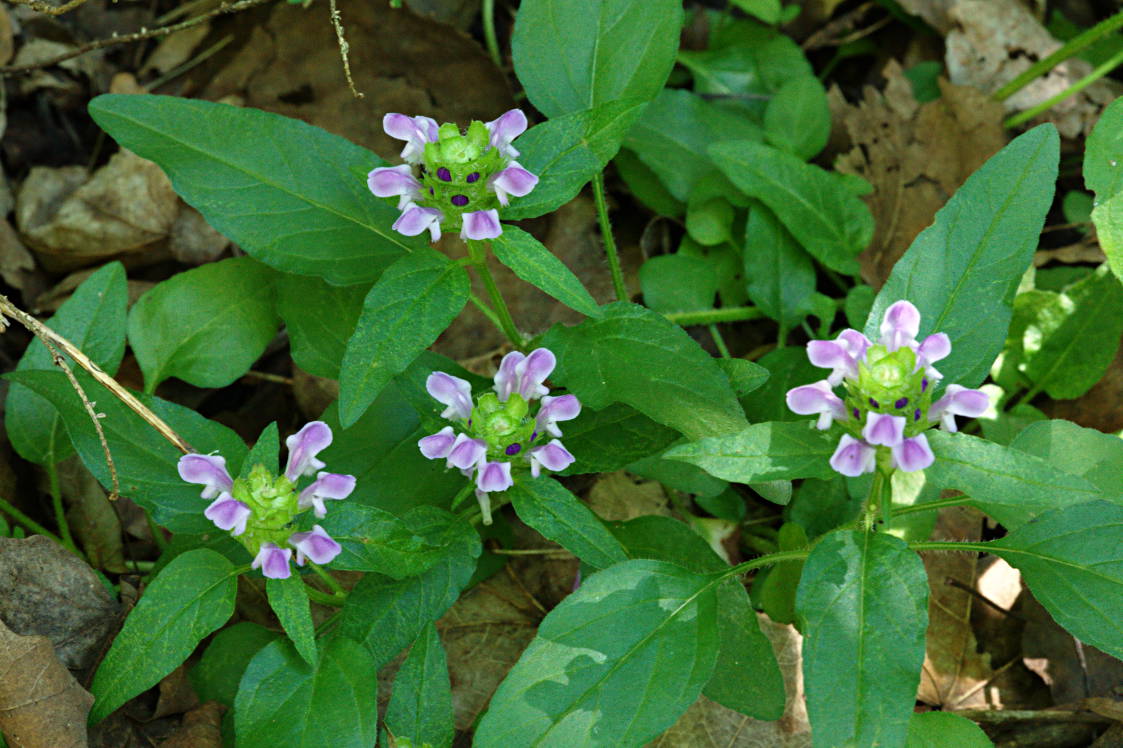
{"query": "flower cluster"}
(887, 403)
(498, 433)
(464, 177)
(259, 509)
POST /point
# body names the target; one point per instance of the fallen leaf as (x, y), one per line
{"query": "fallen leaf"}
(1071, 669)
(618, 497)
(915, 156)
(41, 705)
(45, 590)
(95, 523)
(176, 694)
(15, 261)
(1084, 251)
(192, 240)
(201, 728)
(7, 47)
(175, 49)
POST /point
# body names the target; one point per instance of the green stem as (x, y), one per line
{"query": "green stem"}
(492, 41)
(874, 501)
(948, 545)
(767, 560)
(1073, 47)
(1075, 88)
(506, 323)
(486, 311)
(329, 580)
(609, 239)
(462, 494)
(710, 316)
(323, 598)
(27, 522)
(928, 506)
(719, 341)
(60, 511)
(328, 621)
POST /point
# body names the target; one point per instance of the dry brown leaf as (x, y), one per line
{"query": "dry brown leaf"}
(46, 590)
(1086, 250)
(15, 261)
(1071, 669)
(7, 46)
(915, 156)
(125, 207)
(996, 40)
(94, 521)
(618, 497)
(953, 669)
(201, 728)
(41, 705)
(177, 696)
(175, 49)
(192, 239)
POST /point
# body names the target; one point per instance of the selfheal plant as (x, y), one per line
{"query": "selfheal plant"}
(464, 177)
(501, 435)
(888, 386)
(260, 508)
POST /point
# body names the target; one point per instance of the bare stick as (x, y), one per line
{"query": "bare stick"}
(129, 38)
(344, 49)
(49, 336)
(51, 10)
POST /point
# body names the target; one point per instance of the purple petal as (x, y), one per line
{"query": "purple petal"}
(273, 561)
(506, 128)
(913, 454)
(856, 343)
(207, 470)
(438, 445)
(415, 219)
(514, 180)
(829, 354)
(958, 401)
(332, 486)
(481, 224)
(467, 452)
(934, 348)
(817, 397)
(228, 514)
(506, 378)
(900, 325)
(453, 392)
(416, 131)
(317, 546)
(533, 371)
(554, 409)
(853, 457)
(552, 456)
(394, 181)
(303, 446)
(884, 429)
(494, 476)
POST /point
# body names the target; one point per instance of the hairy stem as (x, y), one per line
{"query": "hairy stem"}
(711, 316)
(478, 253)
(609, 239)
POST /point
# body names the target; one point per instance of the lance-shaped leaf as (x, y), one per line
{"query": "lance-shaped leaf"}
(290, 194)
(320, 318)
(421, 703)
(531, 261)
(189, 599)
(552, 510)
(966, 266)
(863, 604)
(776, 450)
(1103, 174)
(289, 600)
(614, 664)
(747, 677)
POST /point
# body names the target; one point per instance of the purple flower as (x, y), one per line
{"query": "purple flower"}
(514, 180)
(884, 430)
(303, 446)
(317, 546)
(505, 129)
(273, 561)
(958, 401)
(552, 456)
(913, 454)
(494, 476)
(208, 470)
(554, 409)
(331, 486)
(438, 445)
(817, 398)
(453, 392)
(853, 457)
(481, 224)
(525, 374)
(228, 514)
(466, 452)
(841, 355)
(899, 325)
(416, 219)
(395, 181)
(416, 131)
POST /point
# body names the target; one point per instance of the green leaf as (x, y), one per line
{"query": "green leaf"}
(678, 475)
(320, 319)
(206, 325)
(747, 677)
(1103, 151)
(744, 376)
(672, 135)
(787, 368)
(645, 185)
(189, 599)
(266, 452)
(612, 438)
(1006, 483)
(146, 463)
(666, 539)
(385, 614)
(376, 540)
(776, 450)
(1072, 560)
(1108, 218)
(966, 266)
(1072, 354)
(635, 356)
(289, 600)
(797, 119)
(775, 592)
(1091, 454)
(863, 604)
(558, 515)
(766, 10)
(779, 275)
(819, 208)
(216, 676)
(614, 664)
(282, 700)
(575, 54)
(538, 266)
(282, 190)
(709, 220)
(746, 63)
(566, 152)
(93, 319)
(421, 703)
(410, 305)
(940, 729)
(678, 283)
